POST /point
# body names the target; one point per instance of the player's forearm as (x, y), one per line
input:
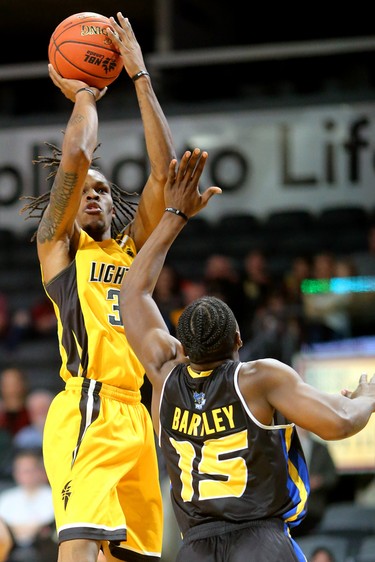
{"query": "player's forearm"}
(158, 136)
(80, 138)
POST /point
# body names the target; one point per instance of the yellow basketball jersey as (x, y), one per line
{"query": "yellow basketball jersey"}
(86, 300)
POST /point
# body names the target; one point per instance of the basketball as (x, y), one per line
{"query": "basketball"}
(81, 48)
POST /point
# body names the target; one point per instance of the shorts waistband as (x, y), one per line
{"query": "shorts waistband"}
(105, 390)
(214, 528)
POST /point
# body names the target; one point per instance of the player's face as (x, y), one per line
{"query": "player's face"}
(96, 210)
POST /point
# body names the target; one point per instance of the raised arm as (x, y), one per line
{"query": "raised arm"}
(157, 133)
(269, 384)
(145, 328)
(56, 228)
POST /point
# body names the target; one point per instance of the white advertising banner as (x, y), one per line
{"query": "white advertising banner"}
(266, 160)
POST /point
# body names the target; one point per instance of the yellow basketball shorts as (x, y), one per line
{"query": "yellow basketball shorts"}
(100, 457)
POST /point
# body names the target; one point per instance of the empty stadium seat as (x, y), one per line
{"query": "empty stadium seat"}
(366, 550)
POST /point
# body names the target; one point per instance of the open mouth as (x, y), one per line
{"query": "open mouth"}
(93, 210)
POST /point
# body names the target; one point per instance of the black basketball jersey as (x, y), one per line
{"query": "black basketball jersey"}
(222, 463)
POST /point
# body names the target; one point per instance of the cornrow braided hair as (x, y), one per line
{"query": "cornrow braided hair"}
(206, 329)
(124, 209)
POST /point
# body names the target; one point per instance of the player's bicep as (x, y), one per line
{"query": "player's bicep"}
(307, 406)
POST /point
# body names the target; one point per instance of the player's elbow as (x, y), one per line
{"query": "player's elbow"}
(339, 427)
(77, 156)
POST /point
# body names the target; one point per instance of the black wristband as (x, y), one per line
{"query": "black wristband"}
(86, 90)
(139, 74)
(177, 212)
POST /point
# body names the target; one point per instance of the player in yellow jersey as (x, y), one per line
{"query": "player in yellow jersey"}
(99, 448)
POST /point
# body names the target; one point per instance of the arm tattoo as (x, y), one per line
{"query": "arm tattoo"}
(59, 202)
(76, 119)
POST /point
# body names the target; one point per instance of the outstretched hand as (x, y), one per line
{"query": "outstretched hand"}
(364, 388)
(123, 37)
(181, 190)
(69, 86)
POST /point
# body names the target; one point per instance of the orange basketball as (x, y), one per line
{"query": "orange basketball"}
(81, 48)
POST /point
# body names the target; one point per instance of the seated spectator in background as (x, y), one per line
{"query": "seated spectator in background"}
(37, 321)
(365, 261)
(4, 317)
(37, 404)
(323, 479)
(323, 265)
(257, 283)
(27, 508)
(300, 270)
(345, 267)
(43, 318)
(191, 289)
(13, 391)
(327, 314)
(274, 332)
(168, 295)
(322, 554)
(222, 280)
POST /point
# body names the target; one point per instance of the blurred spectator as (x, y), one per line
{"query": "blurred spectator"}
(365, 261)
(257, 284)
(168, 295)
(13, 391)
(322, 554)
(274, 332)
(191, 289)
(37, 321)
(37, 404)
(27, 509)
(18, 328)
(327, 313)
(323, 479)
(345, 267)
(4, 316)
(222, 280)
(323, 265)
(300, 270)
(43, 322)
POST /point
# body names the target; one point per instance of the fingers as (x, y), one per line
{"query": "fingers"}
(192, 164)
(184, 163)
(363, 378)
(210, 191)
(172, 171)
(199, 164)
(102, 93)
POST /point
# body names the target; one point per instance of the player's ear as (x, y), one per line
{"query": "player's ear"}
(238, 340)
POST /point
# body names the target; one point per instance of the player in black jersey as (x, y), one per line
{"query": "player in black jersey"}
(238, 476)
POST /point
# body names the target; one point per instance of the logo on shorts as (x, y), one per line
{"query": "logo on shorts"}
(66, 493)
(199, 400)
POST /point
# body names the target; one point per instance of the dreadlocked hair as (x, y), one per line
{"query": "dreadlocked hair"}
(206, 329)
(124, 210)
